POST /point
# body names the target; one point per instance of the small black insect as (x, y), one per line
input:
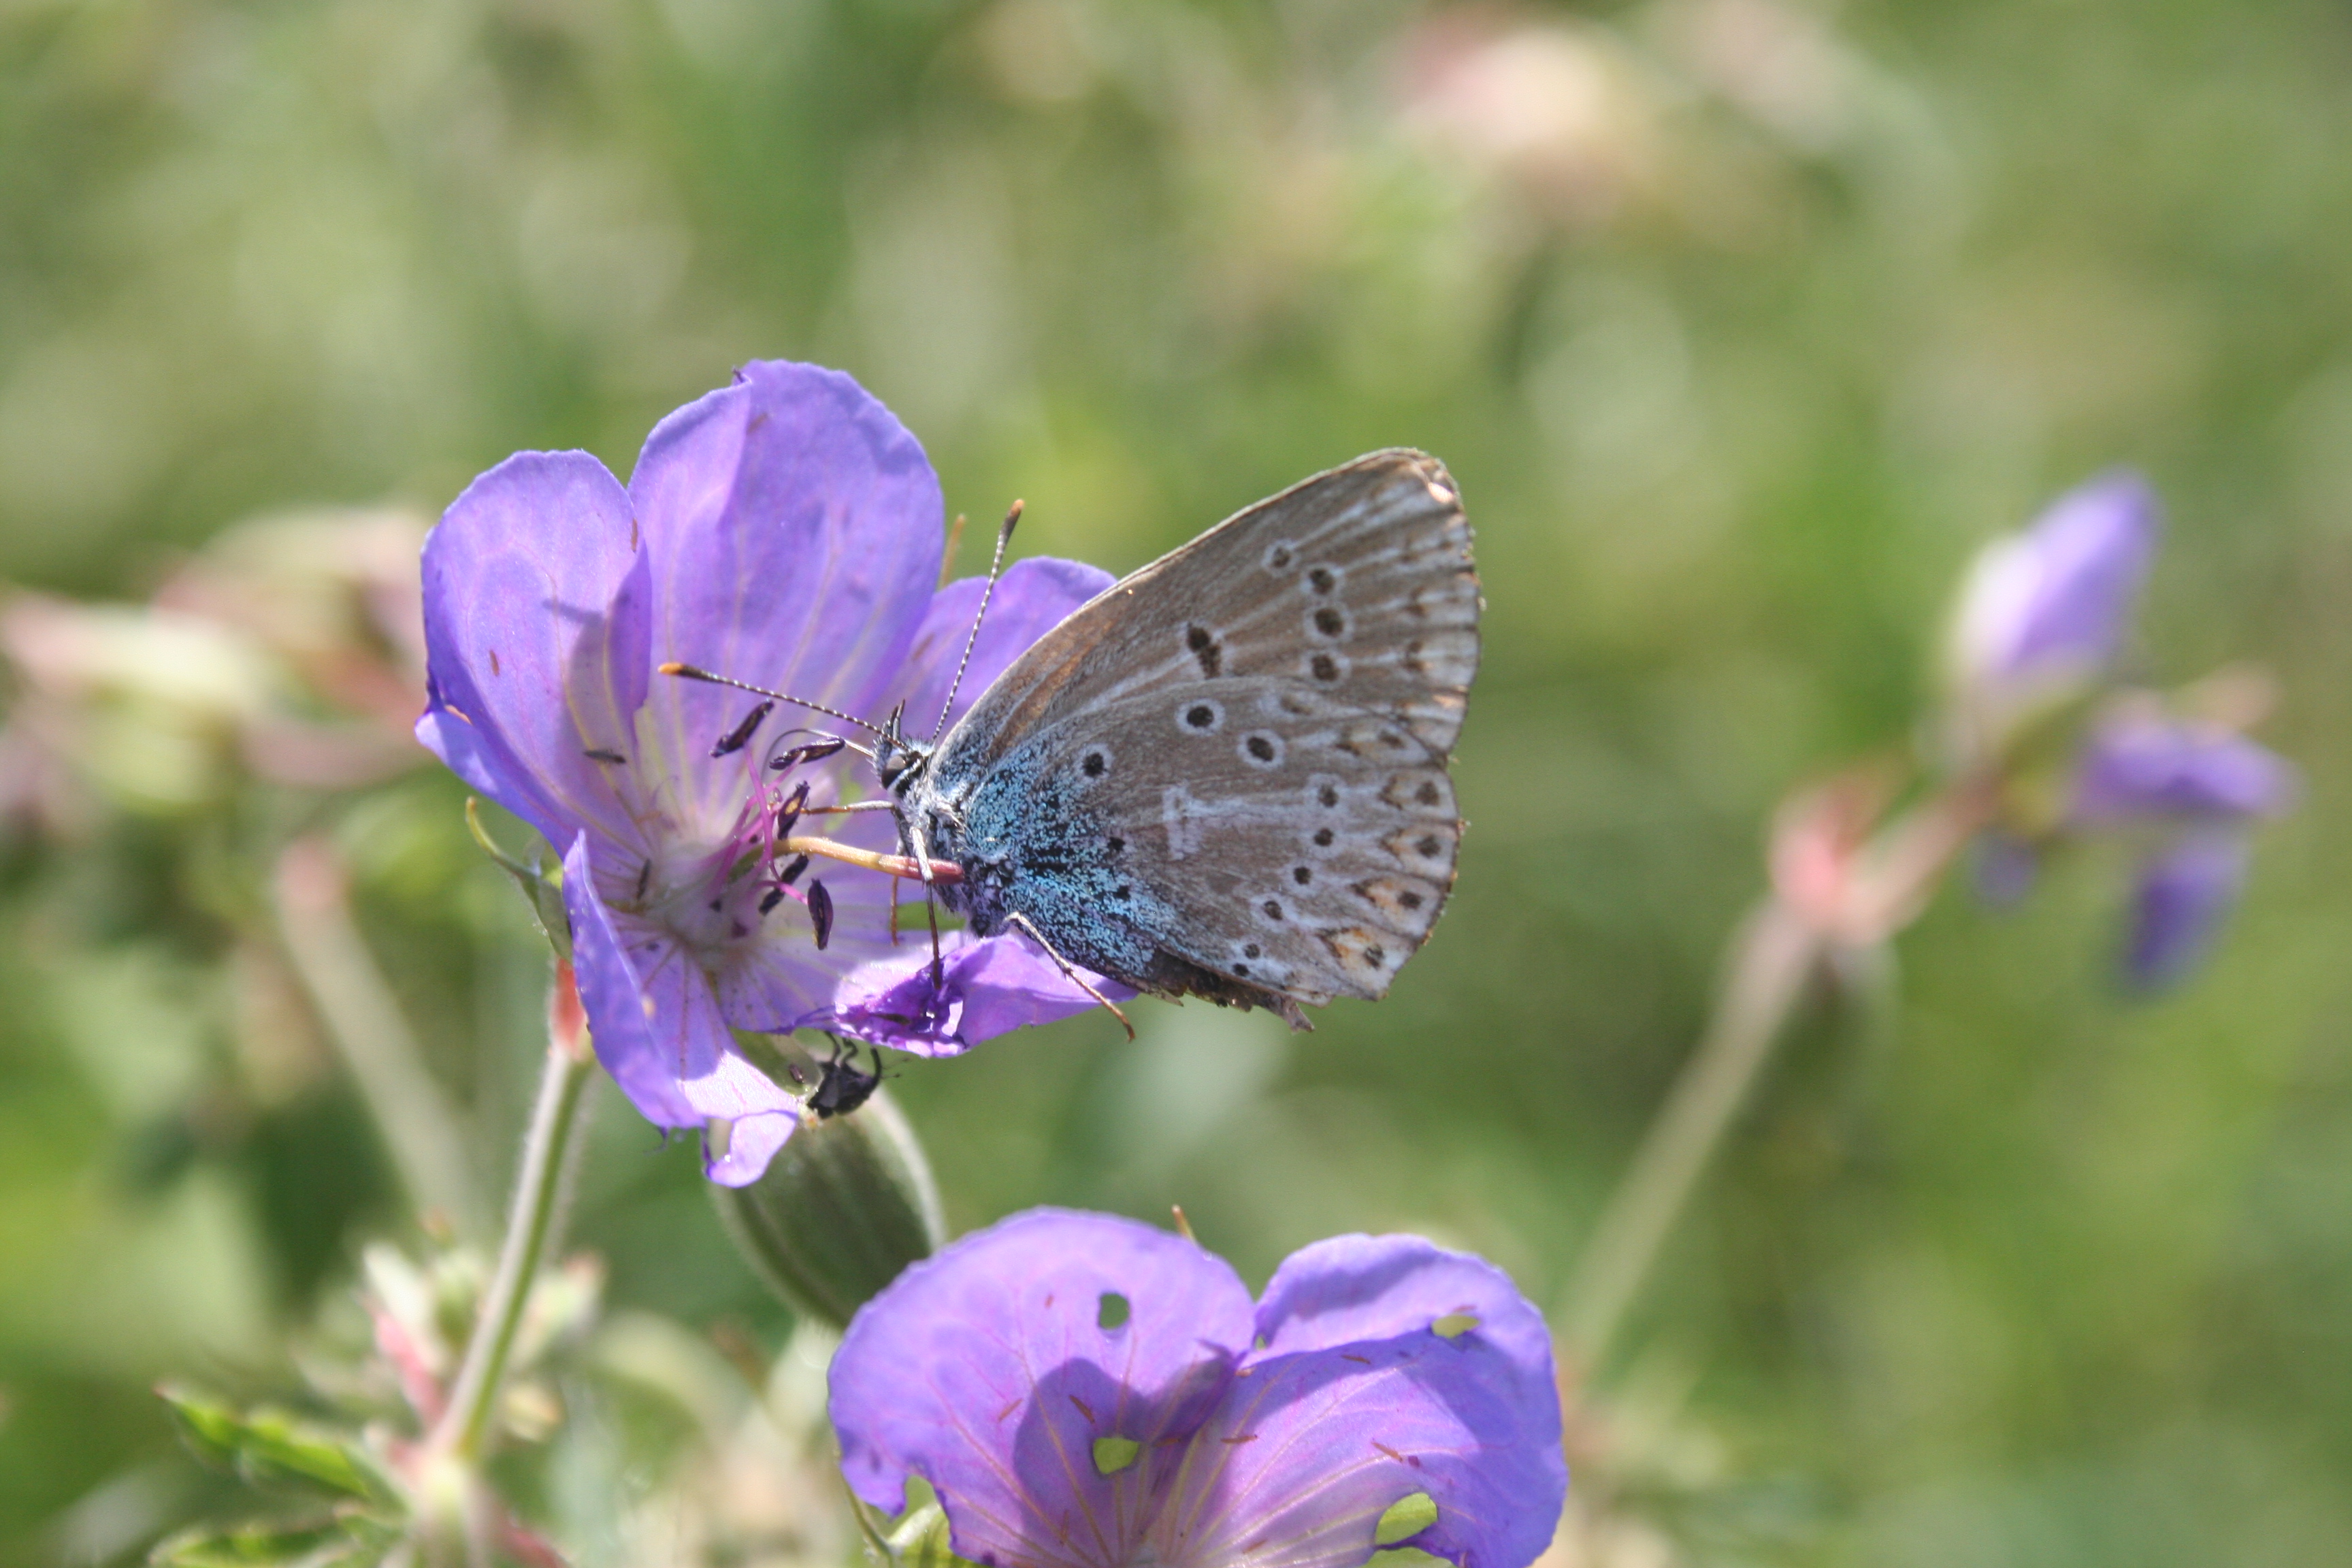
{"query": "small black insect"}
(841, 1087)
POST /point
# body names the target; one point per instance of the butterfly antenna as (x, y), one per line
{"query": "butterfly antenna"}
(995, 568)
(690, 672)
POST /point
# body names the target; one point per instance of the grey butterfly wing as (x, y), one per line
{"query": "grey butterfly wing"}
(1356, 583)
(1257, 829)
(1336, 623)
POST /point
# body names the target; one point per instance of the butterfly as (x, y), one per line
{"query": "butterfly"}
(1225, 775)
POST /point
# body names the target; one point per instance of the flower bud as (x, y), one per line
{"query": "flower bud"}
(847, 1203)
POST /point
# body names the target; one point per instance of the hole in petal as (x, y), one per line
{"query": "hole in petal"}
(1112, 1313)
(1113, 1455)
(1406, 1518)
(1453, 1325)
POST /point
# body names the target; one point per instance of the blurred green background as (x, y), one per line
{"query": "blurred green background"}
(1741, 322)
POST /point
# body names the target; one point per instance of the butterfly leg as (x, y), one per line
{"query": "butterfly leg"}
(1069, 969)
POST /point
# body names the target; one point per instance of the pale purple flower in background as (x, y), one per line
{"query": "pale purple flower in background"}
(1084, 1391)
(2197, 788)
(2044, 612)
(786, 531)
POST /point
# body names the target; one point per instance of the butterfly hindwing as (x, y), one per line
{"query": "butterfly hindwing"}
(1251, 828)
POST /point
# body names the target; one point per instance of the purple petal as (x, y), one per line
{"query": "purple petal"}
(2178, 906)
(796, 532)
(1032, 598)
(657, 1030)
(986, 1370)
(992, 986)
(535, 602)
(2138, 765)
(1389, 1367)
(2051, 602)
(647, 1053)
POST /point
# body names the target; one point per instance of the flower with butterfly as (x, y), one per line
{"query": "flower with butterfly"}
(786, 528)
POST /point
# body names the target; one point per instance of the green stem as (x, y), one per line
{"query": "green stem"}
(1772, 956)
(542, 1186)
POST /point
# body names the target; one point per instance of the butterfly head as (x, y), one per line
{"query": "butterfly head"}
(899, 762)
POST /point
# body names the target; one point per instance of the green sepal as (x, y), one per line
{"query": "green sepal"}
(542, 886)
(921, 1539)
(342, 1541)
(273, 1448)
(846, 1205)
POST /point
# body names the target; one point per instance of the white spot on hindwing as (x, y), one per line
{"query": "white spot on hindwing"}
(1179, 814)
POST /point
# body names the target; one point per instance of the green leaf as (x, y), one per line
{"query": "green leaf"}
(542, 887)
(920, 1540)
(270, 1448)
(348, 1541)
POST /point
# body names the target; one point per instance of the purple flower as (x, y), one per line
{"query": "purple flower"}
(785, 530)
(2183, 892)
(2043, 612)
(1089, 1391)
(2198, 786)
(2141, 765)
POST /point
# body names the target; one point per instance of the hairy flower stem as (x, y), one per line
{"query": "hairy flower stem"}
(1880, 887)
(542, 1186)
(1772, 955)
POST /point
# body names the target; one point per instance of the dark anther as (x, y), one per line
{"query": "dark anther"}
(771, 898)
(735, 740)
(813, 751)
(600, 754)
(820, 907)
(792, 872)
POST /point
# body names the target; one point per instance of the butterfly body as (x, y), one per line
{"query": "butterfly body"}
(1225, 775)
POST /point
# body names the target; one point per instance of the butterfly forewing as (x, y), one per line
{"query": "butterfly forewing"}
(1254, 730)
(1356, 583)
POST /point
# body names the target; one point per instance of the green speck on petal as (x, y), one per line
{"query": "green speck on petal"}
(1407, 1517)
(1113, 1455)
(1453, 1325)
